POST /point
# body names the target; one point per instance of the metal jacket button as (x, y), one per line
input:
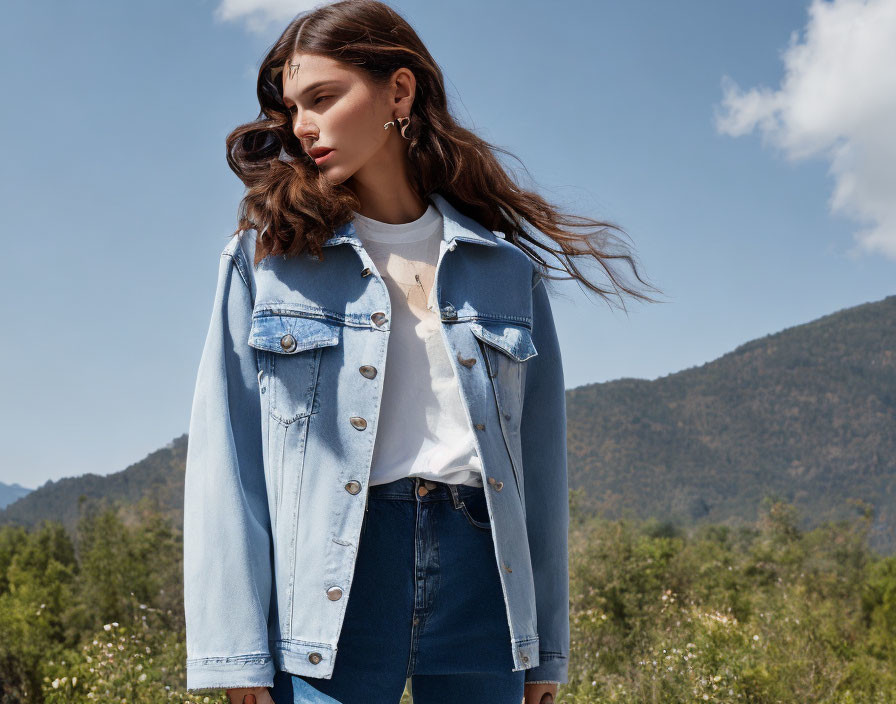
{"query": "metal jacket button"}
(353, 487)
(449, 312)
(365, 271)
(368, 371)
(314, 658)
(288, 342)
(358, 422)
(378, 318)
(334, 593)
(480, 426)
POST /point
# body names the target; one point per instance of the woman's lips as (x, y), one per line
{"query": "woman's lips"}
(323, 157)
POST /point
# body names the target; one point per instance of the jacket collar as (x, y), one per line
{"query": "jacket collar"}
(457, 226)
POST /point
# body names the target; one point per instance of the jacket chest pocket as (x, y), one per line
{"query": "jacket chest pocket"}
(290, 349)
(506, 348)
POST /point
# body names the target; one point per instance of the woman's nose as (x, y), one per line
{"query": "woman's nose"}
(306, 133)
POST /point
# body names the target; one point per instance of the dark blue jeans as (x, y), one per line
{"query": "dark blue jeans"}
(425, 603)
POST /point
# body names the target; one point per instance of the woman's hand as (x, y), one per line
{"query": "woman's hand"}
(250, 695)
(540, 693)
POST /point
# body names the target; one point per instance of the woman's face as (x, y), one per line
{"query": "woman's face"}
(335, 105)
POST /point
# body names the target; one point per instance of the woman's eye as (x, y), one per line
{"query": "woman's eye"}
(292, 108)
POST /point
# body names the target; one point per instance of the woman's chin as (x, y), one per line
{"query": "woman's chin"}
(335, 175)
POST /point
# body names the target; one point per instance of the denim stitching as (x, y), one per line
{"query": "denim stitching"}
(414, 610)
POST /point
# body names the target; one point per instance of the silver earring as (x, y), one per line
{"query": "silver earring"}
(403, 121)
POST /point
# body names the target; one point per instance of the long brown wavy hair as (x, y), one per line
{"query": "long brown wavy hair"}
(294, 208)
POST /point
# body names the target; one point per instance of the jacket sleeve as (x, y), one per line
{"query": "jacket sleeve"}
(226, 529)
(543, 433)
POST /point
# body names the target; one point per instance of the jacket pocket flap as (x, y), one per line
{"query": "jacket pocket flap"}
(290, 334)
(513, 340)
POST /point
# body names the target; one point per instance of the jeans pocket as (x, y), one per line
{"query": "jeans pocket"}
(474, 508)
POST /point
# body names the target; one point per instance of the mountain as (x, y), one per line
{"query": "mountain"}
(12, 492)
(157, 479)
(807, 414)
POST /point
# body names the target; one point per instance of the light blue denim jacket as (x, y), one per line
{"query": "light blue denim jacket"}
(282, 431)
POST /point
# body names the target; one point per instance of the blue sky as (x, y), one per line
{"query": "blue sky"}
(745, 147)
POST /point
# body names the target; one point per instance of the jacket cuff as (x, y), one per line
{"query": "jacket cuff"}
(551, 668)
(230, 672)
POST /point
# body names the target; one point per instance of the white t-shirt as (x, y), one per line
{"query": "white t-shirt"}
(423, 427)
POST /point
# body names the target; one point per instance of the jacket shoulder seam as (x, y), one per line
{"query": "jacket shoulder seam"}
(233, 253)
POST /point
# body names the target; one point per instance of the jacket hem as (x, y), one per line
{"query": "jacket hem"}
(316, 659)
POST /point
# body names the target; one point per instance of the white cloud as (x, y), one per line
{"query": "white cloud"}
(261, 16)
(837, 101)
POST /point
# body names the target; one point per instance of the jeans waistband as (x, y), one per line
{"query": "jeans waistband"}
(420, 489)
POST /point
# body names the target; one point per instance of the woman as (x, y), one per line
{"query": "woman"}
(376, 481)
